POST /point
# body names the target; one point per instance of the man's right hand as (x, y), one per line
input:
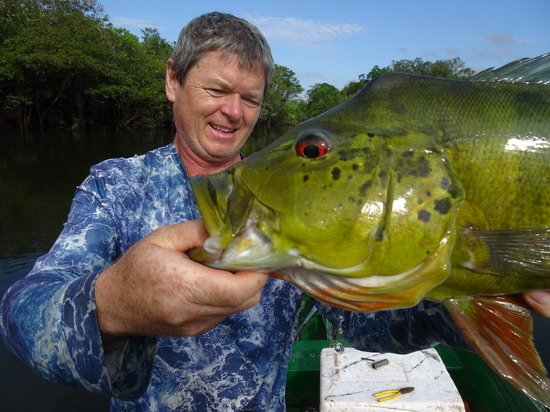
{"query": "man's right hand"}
(154, 289)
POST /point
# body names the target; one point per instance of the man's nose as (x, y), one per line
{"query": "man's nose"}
(232, 106)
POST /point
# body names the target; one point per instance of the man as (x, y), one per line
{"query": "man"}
(117, 307)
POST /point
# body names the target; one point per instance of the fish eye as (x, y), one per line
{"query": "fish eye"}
(312, 146)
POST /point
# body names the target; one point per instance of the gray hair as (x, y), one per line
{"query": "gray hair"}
(227, 33)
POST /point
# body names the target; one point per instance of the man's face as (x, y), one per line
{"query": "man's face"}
(216, 107)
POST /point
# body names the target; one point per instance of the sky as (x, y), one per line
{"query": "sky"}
(335, 41)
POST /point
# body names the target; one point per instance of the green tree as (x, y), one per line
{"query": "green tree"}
(281, 107)
(62, 64)
(353, 87)
(133, 95)
(321, 97)
(416, 66)
(377, 71)
(44, 60)
(453, 68)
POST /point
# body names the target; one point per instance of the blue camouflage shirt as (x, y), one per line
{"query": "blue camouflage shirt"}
(49, 317)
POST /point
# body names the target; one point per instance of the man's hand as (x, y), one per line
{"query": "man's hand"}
(155, 289)
(539, 301)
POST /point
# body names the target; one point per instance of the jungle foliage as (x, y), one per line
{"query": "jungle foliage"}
(64, 65)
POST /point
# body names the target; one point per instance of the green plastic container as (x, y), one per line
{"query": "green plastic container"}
(481, 389)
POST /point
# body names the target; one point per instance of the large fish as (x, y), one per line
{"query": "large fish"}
(415, 188)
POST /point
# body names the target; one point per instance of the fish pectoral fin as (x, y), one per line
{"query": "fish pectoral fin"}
(500, 330)
(518, 252)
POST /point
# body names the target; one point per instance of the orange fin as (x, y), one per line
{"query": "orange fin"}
(500, 330)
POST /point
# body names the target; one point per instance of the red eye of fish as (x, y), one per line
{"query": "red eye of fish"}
(312, 146)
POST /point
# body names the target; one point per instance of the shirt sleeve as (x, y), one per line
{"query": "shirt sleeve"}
(398, 331)
(48, 319)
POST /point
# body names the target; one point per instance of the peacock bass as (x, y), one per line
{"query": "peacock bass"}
(415, 188)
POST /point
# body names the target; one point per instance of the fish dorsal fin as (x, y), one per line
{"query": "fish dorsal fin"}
(501, 332)
(517, 251)
(535, 70)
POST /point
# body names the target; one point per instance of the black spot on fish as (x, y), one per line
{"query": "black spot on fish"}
(423, 168)
(424, 215)
(442, 206)
(370, 134)
(445, 183)
(410, 165)
(382, 174)
(454, 191)
(336, 173)
(344, 155)
(364, 187)
(355, 167)
(306, 178)
(428, 193)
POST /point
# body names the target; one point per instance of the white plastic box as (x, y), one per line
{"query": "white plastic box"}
(349, 382)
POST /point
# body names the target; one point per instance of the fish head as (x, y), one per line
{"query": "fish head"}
(335, 197)
(290, 202)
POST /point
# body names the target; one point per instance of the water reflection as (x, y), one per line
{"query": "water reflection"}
(38, 178)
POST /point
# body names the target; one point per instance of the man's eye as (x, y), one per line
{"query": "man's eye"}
(215, 92)
(252, 102)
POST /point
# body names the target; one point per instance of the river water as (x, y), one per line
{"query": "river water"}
(38, 177)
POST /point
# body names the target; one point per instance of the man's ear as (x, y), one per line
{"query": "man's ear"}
(171, 81)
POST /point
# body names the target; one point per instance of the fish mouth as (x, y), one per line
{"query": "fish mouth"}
(241, 228)
(250, 249)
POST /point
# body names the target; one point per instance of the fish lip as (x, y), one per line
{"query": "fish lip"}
(237, 240)
(250, 249)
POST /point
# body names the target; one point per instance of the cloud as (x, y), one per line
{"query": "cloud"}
(127, 22)
(499, 46)
(500, 39)
(303, 32)
(453, 52)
